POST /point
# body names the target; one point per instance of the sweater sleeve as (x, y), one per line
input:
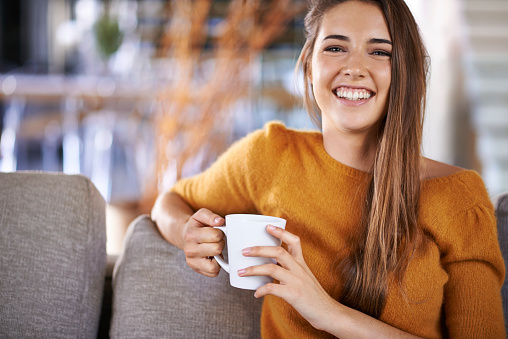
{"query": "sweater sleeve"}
(472, 259)
(234, 183)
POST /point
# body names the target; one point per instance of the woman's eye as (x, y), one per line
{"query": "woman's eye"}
(382, 53)
(334, 49)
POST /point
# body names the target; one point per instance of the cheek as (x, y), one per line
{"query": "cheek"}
(383, 78)
(314, 74)
(320, 89)
(320, 72)
(386, 78)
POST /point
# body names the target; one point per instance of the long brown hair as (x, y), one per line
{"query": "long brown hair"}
(389, 234)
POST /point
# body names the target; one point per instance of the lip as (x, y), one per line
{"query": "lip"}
(350, 102)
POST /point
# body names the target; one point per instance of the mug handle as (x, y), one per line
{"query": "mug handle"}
(221, 261)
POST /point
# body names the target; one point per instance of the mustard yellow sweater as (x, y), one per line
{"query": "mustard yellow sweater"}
(452, 288)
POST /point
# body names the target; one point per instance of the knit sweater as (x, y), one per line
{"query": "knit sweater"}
(451, 288)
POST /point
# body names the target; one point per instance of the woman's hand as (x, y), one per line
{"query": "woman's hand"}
(201, 242)
(298, 286)
(300, 289)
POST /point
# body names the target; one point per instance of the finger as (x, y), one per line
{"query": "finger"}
(292, 240)
(202, 234)
(278, 290)
(287, 262)
(207, 235)
(203, 250)
(271, 270)
(206, 217)
(277, 252)
(294, 248)
(206, 267)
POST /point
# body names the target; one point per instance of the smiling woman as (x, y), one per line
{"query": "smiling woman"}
(380, 241)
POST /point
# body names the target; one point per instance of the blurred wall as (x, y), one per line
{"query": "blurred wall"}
(467, 111)
(447, 127)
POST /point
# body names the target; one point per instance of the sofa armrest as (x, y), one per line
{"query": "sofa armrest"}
(155, 294)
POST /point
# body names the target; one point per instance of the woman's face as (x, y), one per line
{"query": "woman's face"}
(351, 68)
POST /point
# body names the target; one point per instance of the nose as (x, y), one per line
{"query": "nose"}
(354, 66)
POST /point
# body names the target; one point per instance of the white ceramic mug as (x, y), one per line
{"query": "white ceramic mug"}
(242, 231)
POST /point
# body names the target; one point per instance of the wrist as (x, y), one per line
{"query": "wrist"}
(171, 215)
(331, 317)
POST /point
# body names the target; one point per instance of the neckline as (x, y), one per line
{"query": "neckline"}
(449, 177)
(359, 174)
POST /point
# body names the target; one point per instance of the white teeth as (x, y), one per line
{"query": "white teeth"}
(353, 95)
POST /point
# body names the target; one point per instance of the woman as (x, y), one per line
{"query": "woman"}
(379, 240)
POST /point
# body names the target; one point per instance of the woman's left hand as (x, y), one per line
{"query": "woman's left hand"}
(298, 286)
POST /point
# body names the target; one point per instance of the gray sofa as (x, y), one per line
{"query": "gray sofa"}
(52, 256)
(56, 280)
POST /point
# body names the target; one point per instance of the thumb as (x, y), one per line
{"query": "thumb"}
(208, 218)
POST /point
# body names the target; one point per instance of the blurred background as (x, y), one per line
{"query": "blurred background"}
(135, 94)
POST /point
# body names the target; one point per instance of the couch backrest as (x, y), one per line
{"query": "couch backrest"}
(156, 295)
(501, 205)
(52, 256)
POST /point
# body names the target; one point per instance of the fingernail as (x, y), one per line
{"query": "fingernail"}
(246, 251)
(217, 220)
(241, 272)
(271, 227)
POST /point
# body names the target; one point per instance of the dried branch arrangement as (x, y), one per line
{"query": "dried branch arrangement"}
(210, 72)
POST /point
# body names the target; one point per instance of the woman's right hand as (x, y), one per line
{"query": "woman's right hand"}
(191, 231)
(201, 242)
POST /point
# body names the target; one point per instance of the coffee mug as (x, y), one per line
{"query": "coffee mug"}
(242, 231)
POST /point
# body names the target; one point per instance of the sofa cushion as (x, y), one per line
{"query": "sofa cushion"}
(52, 256)
(501, 205)
(156, 295)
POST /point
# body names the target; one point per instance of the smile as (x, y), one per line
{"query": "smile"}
(353, 94)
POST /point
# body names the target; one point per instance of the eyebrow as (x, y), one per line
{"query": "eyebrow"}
(345, 38)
